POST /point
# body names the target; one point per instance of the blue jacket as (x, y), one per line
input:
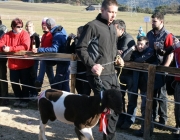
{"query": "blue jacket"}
(58, 43)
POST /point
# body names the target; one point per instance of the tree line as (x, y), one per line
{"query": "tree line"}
(173, 8)
(166, 9)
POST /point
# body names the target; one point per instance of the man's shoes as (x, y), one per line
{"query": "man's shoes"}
(38, 85)
(119, 123)
(23, 104)
(126, 125)
(176, 132)
(17, 103)
(4, 102)
(176, 136)
(140, 133)
(160, 126)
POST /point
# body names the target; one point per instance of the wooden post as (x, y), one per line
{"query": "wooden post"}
(73, 76)
(149, 101)
(146, 27)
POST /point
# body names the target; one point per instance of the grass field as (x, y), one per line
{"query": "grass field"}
(71, 17)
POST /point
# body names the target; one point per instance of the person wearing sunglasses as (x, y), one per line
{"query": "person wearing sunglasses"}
(17, 40)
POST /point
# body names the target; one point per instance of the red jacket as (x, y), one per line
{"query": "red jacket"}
(46, 40)
(169, 41)
(17, 42)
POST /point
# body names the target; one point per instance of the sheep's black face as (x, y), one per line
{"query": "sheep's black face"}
(114, 100)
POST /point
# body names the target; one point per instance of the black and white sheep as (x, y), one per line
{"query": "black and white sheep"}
(82, 111)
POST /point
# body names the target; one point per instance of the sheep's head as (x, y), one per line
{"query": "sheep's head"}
(113, 99)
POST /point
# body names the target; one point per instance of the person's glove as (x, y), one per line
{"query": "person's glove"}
(6, 48)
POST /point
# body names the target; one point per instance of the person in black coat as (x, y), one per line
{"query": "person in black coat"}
(3, 71)
(125, 41)
(82, 87)
(34, 43)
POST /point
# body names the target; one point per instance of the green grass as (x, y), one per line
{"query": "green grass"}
(71, 17)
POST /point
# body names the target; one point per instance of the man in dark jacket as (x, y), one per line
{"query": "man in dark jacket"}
(125, 41)
(159, 35)
(97, 50)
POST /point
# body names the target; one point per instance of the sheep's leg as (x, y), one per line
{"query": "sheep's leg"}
(87, 132)
(42, 128)
(79, 134)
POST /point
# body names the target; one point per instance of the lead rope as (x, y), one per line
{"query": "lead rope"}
(121, 67)
(73, 69)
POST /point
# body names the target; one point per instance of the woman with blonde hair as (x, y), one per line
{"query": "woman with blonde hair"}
(34, 43)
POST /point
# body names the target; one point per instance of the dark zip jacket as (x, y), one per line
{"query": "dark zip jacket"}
(125, 42)
(97, 45)
(164, 38)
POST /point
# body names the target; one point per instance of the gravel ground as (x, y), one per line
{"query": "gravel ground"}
(23, 124)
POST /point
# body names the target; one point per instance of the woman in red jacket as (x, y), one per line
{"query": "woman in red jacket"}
(13, 41)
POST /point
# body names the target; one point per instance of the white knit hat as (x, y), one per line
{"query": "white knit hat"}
(50, 22)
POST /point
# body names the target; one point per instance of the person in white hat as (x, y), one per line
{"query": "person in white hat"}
(141, 33)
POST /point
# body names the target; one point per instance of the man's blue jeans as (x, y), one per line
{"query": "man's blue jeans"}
(49, 71)
(62, 74)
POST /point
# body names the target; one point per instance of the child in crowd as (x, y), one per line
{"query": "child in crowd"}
(46, 41)
(144, 54)
(141, 33)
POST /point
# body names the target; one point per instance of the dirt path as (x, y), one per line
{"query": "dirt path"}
(23, 124)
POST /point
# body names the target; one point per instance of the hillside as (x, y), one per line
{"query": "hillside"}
(146, 3)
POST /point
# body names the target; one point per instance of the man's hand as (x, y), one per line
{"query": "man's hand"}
(134, 47)
(119, 61)
(6, 48)
(72, 36)
(97, 69)
(35, 50)
(120, 52)
(158, 45)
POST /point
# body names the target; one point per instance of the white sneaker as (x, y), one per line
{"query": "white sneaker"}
(23, 104)
(17, 103)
